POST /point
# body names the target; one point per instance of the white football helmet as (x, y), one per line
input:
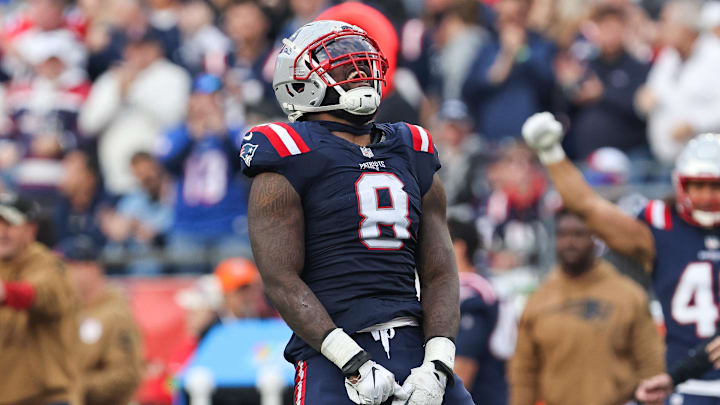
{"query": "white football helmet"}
(302, 71)
(699, 161)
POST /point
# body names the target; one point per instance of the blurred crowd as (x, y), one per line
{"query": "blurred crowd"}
(123, 117)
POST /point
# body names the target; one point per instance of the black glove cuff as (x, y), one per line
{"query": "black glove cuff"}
(693, 367)
(444, 368)
(353, 365)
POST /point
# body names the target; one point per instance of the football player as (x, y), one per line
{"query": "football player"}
(677, 241)
(342, 212)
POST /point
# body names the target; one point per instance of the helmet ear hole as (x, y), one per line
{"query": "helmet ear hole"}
(298, 87)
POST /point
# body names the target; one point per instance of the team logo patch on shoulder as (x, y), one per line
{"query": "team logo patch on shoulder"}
(247, 152)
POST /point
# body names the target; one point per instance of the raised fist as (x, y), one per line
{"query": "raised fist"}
(543, 133)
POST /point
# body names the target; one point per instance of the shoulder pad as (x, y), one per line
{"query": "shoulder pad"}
(284, 138)
(657, 214)
(421, 138)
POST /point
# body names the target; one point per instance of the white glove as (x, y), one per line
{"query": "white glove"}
(543, 133)
(426, 384)
(375, 383)
(374, 386)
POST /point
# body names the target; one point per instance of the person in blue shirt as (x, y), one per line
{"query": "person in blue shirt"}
(211, 201)
(512, 74)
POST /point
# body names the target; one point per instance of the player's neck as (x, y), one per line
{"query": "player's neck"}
(361, 140)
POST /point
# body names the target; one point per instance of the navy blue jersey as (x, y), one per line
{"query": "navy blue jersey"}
(362, 215)
(486, 335)
(685, 279)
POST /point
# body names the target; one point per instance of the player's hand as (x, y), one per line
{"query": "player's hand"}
(373, 386)
(424, 386)
(543, 133)
(655, 389)
(713, 351)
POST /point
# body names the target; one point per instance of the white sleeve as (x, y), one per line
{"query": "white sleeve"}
(101, 106)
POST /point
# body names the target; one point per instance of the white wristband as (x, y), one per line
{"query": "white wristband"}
(339, 347)
(551, 155)
(442, 349)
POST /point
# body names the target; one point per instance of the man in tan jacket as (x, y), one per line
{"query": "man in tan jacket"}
(110, 354)
(586, 336)
(38, 329)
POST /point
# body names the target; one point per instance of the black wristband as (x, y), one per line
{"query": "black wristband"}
(452, 339)
(444, 368)
(692, 367)
(353, 365)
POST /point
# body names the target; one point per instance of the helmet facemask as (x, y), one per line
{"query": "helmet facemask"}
(708, 216)
(346, 61)
(699, 162)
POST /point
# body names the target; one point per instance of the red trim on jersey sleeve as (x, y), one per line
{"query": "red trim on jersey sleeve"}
(296, 137)
(658, 215)
(431, 147)
(19, 295)
(274, 139)
(648, 211)
(418, 136)
(668, 218)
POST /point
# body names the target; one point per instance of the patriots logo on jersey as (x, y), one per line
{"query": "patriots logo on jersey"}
(247, 152)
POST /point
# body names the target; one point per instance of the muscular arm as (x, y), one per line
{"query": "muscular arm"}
(621, 232)
(437, 270)
(277, 236)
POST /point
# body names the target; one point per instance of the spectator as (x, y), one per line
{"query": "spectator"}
(437, 50)
(164, 16)
(37, 315)
(211, 203)
(204, 48)
(302, 12)
(251, 61)
(486, 337)
(465, 159)
(600, 91)
(513, 222)
(82, 199)
(681, 96)
(242, 289)
(40, 18)
(43, 110)
(584, 313)
(110, 351)
(123, 108)
(511, 76)
(137, 226)
(108, 35)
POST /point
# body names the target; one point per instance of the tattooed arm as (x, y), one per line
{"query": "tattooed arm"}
(277, 236)
(437, 270)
